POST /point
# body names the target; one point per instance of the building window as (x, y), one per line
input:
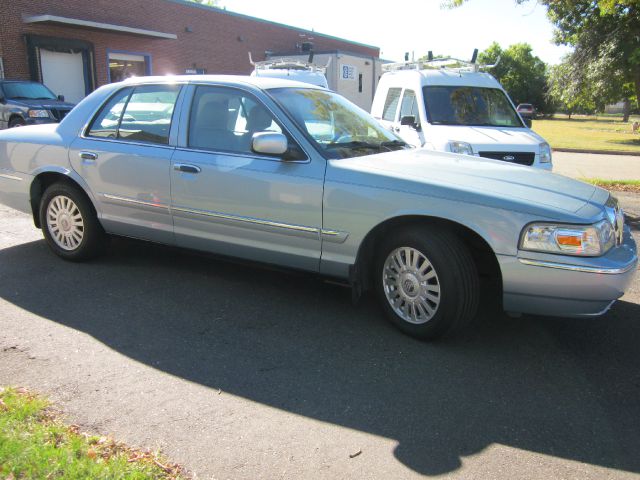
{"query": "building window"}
(1, 68)
(124, 65)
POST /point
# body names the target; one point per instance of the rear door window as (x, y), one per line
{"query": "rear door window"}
(391, 104)
(105, 124)
(142, 114)
(147, 116)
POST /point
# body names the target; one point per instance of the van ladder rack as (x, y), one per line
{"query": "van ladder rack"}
(449, 63)
(289, 64)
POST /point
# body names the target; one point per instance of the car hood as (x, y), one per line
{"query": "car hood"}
(494, 138)
(45, 104)
(474, 180)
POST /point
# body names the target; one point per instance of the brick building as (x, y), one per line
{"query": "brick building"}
(74, 46)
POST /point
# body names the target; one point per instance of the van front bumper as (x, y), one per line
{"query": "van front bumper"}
(556, 285)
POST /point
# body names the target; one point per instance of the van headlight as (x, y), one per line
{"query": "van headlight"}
(545, 153)
(463, 148)
(587, 240)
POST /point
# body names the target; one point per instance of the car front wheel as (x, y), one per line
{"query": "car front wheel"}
(427, 282)
(16, 122)
(69, 223)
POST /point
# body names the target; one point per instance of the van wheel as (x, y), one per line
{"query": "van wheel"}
(69, 223)
(427, 282)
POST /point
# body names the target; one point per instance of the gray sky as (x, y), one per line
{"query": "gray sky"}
(416, 25)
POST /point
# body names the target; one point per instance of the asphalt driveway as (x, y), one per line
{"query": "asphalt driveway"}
(246, 372)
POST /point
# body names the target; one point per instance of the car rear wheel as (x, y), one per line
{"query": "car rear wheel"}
(427, 282)
(69, 223)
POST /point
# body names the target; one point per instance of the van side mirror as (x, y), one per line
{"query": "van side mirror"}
(269, 143)
(409, 120)
(61, 98)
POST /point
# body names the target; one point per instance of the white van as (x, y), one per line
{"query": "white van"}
(460, 110)
(291, 69)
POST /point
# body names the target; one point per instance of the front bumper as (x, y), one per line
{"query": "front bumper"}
(555, 285)
(39, 120)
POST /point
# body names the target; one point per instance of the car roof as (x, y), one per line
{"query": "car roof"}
(263, 83)
(444, 77)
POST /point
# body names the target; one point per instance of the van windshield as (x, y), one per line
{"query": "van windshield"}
(339, 128)
(471, 106)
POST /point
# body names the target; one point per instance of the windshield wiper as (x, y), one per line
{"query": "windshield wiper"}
(393, 143)
(20, 98)
(388, 145)
(354, 144)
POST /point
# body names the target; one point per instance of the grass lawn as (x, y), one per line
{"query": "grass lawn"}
(35, 444)
(618, 185)
(589, 133)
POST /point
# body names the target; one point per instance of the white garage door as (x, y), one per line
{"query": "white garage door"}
(63, 73)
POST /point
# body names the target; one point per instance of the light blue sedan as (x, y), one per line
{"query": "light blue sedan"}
(290, 174)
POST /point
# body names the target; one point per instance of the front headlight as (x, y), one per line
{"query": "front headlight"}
(588, 240)
(460, 147)
(39, 113)
(545, 153)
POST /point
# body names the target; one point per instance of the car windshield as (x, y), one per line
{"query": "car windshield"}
(27, 91)
(339, 128)
(472, 106)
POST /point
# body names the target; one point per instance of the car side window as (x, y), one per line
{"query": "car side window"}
(105, 124)
(140, 114)
(147, 115)
(391, 104)
(409, 106)
(225, 119)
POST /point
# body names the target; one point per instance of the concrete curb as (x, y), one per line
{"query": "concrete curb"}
(597, 152)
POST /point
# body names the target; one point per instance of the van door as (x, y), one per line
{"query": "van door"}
(411, 134)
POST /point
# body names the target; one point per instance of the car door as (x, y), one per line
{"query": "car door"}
(125, 155)
(230, 200)
(412, 134)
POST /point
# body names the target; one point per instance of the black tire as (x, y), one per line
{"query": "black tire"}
(456, 276)
(93, 240)
(17, 122)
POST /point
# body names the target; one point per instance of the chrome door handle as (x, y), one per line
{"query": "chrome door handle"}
(183, 167)
(89, 156)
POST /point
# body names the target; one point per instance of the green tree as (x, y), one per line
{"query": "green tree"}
(566, 93)
(522, 74)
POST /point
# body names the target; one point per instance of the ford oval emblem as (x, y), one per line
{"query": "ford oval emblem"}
(508, 158)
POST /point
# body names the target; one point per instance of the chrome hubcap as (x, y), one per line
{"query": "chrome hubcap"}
(64, 222)
(411, 285)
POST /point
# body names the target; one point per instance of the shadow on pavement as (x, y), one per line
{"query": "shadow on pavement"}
(566, 388)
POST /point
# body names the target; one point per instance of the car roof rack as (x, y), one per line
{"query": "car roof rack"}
(451, 64)
(290, 64)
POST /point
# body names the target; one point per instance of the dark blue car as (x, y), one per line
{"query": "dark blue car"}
(29, 103)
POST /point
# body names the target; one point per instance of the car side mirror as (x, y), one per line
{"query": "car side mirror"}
(269, 143)
(409, 120)
(61, 98)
